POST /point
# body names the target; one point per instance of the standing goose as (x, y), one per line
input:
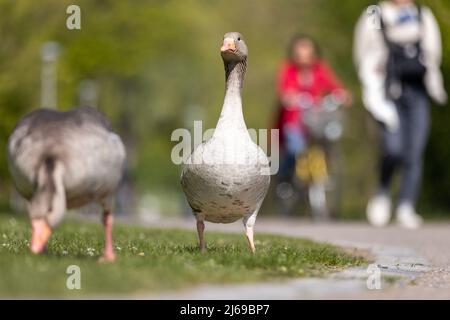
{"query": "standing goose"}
(226, 178)
(61, 160)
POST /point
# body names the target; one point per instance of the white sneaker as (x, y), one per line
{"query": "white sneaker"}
(379, 210)
(407, 217)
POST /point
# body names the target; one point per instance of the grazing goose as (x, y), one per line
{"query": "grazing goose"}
(61, 160)
(226, 178)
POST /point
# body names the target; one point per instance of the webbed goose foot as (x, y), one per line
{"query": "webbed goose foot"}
(107, 257)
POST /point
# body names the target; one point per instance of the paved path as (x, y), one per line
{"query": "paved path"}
(419, 260)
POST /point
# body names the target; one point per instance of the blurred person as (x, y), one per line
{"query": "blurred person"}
(398, 62)
(303, 79)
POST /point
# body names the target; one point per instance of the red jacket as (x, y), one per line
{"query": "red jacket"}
(323, 82)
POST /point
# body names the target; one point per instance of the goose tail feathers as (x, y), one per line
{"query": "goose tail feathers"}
(49, 201)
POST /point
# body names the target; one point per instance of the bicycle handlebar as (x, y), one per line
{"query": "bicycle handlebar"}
(330, 102)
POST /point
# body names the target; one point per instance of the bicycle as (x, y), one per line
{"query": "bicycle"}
(318, 170)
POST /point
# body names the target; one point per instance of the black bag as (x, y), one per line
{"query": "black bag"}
(404, 66)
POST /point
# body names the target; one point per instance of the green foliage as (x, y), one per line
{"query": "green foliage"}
(157, 63)
(152, 260)
(436, 188)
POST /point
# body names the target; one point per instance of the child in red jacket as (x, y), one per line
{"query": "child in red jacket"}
(304, 78)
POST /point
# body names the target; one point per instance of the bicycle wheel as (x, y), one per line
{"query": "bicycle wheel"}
(325, 184)
(334, 185)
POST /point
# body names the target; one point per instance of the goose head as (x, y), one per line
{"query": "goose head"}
(233, 48)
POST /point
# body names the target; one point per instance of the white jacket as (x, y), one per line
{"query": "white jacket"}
(370, 55)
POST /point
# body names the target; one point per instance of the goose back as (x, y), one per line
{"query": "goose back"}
(81, 139)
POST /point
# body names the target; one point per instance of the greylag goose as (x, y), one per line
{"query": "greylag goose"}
(226, 177)
(61, 160)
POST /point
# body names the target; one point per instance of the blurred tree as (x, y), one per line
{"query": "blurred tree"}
(151, 60)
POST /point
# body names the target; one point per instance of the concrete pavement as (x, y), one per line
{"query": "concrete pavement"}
(414, 263)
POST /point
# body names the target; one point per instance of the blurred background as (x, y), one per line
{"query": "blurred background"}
(154, 66)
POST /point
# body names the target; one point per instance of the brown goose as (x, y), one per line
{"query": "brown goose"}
(226, 178)
(61, 160)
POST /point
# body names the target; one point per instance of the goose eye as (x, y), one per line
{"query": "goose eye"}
(239, 39)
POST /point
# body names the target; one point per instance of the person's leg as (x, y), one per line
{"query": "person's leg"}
(379, 206)
(391, 153)
(415, 137)
(294, 143)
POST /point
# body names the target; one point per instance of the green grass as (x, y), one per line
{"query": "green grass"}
(151, 260)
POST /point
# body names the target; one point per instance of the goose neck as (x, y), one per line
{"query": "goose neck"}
(231, 116)
(234, 75)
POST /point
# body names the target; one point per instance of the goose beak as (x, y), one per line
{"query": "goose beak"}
(40, 232)
(228, 45)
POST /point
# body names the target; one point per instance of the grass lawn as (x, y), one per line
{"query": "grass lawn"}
(151, 260)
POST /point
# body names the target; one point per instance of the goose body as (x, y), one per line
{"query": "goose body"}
(226, 178)
(219, 190)
(81, 139)
(62, 160)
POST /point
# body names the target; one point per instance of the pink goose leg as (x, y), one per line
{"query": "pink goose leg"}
(108, 254)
